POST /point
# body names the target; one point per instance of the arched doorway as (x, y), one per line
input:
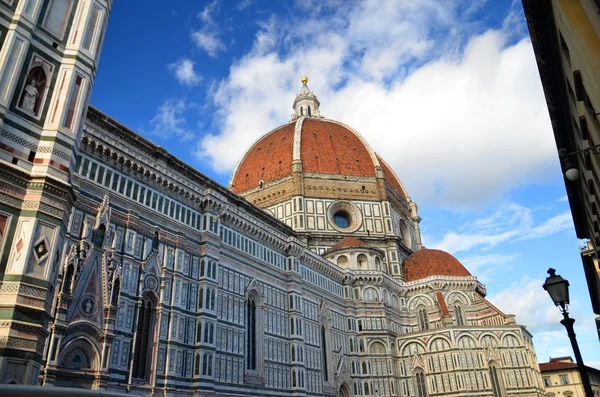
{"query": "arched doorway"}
(343, 391)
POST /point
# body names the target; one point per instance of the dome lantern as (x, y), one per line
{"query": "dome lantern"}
(306, 103)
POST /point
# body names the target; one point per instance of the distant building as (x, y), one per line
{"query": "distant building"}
(566, 40)
(561, 378)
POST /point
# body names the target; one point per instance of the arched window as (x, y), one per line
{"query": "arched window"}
(459, 315)
(309, 112)
(143, 338)
(199, 333)
(367, 389)
(210, 359)
(99, 235)
(201, 298)
(342, 261)
(422, 318)
(419, 384)
(364, 368)
(205, 364)
(202, 265)
(324, 354)
(212, 300)
(206, 332)
(495, 381)
(293, 353)
(251, 334)
(68, 279)
(155, 241)
(301, 111)
(361, 260)
(197, 364)
(211, 338)
(377, 263)
(115, 292)
(293, 378)
(370, 295)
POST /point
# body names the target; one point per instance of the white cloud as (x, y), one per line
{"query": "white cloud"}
(184, 72)
(208, 41)
(243, 4)
(511, 222)
(455, 114)
(484, 266)
(208, 12)
(170, 121)
(207, 37)
(531, 305)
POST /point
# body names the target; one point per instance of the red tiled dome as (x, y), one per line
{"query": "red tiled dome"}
(431, 262)
(322, 146)
(330, 148)
(268, 159)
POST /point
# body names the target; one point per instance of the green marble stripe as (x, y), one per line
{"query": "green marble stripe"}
(32, 134)
(11, 352)
(37, 317)
(21, 278)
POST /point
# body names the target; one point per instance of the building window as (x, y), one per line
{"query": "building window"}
(565, 48)
(324, 354)
(495, 381)
(419, 384)
(579, 90)
(564, 380)
(547, 382)
(143, 337)
(251, 334)
(422, 318)
(459, 315)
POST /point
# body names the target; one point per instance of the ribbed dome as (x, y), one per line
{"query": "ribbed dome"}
(431, 262)
(319, 146)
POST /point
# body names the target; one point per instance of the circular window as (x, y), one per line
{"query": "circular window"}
(344, 216)
(341, 219)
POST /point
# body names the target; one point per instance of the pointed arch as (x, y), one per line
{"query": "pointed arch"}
(68, 278)
(419, 383)
(143, 338)
(116, 292)
(496, 379)
(80, 353)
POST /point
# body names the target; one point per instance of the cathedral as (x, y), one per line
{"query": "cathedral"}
(124, 269)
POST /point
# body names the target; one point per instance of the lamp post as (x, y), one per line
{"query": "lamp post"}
(558, 289)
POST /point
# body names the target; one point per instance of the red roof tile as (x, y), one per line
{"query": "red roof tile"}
(330, 148)
(442, 303)
(269, 159)
(431, 262)
(556, 366)
(349, 242)
(390, 178)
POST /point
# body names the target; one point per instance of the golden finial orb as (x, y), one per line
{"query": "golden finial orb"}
(304, 78)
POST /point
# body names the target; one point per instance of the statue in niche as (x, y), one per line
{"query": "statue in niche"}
(33, 92)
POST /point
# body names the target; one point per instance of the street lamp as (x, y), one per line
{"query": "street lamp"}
(558, 289)
(572, 173)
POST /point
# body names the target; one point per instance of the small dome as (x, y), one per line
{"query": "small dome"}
(431, 262)
(349, 242)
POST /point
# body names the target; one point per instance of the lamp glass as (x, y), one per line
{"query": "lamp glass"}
(558, 289)
(572, 174)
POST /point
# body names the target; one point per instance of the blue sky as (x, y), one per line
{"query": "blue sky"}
(446, 91)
